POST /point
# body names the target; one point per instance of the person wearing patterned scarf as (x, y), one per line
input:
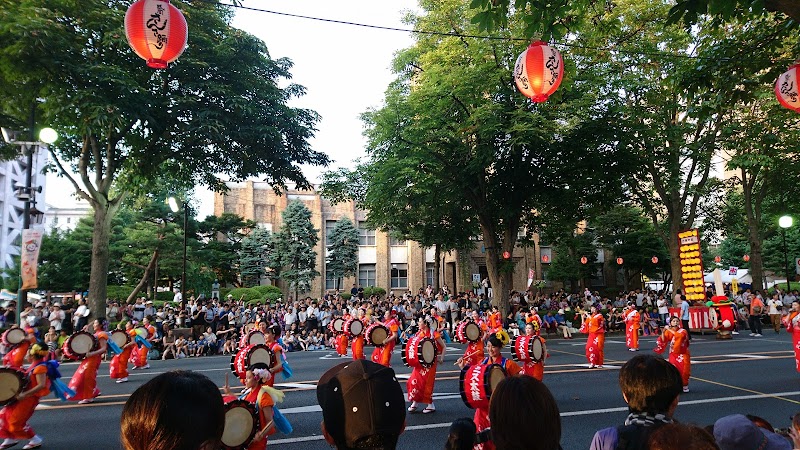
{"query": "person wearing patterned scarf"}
(651, 387)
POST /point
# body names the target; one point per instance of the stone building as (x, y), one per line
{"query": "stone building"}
(383, 261)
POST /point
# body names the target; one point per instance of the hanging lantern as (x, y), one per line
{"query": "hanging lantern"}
(654, 259)
(786, 89)
(717, 259)
(156, 31)
(746, 258)
(506, 255)
(545, 259)
(620, 261)
(538, 71)
(584, 260)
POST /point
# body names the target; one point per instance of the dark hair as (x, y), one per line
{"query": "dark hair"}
(524, 403)
(685, 437)
(650, 384)
(462, 435)
(177, 410)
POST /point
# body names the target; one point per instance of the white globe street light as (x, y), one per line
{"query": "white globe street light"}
(48, 135)
(786, 222)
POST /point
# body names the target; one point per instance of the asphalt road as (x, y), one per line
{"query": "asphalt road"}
(745, 375)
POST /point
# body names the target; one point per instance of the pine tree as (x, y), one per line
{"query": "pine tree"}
(343, 250)
(253, 256)
(293, 248)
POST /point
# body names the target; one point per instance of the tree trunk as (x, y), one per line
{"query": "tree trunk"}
(753, 194)
(437, 265)
(143, 281)
(98, 278)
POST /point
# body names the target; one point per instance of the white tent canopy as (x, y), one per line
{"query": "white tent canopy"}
(742, 276)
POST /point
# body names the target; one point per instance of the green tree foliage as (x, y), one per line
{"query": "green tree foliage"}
(223, 237)
(342, 245)
(217, 112)
(293, 248)
(253, 256)
(567, 266)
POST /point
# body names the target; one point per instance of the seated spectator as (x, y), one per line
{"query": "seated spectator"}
(175, 410)
(210, 339)
(549, 323)
(561, 324)
(168, 342)
(181, 349)
(524, 403)
(651, 386)
(363, 406)
(303, 340)
(462, 435)
(737, 432)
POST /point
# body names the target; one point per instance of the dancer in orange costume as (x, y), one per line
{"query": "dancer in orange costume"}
(16, 356)
(632, 323)
(495, 341)
(257, 393)
(139, 355)
(594, 325)
(383, 354)
(357, 347)
(495, 321)
(792, 324)
(118, 368)
(271, 335)
(14, 416)
(474, 353)
(532, 368)
(84, 382)
(533, 318)
(420, 383)
(679, 352)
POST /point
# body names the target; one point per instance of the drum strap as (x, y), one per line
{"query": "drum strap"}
(488, 360)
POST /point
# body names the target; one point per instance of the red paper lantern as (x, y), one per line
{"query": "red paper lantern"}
(506, 255)
(538, 71)
(654, 259)
(620, 261)
(717, 259)
(746, 258)
(545, 259)
(584, 260)
(786, 89)
(156, 31)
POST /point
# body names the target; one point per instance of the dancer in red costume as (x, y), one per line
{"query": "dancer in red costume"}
(495, 346)
(383, 354)
(357, 346)
(16, 356)
(632, 323)
(594, 325)
(14, 416)
(256, 392)
(271, 335)
(474, 353)
(533, 318)
(139, 355)
(530, 367)
(118, 368)
(495, 321)
(792, 323)
(679, 351)
(84, 382)
(420, 383)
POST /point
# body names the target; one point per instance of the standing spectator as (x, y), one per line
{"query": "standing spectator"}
(651, 386)
(149, 309)
(138, 309)
(81, 316)
(663, 309)
(775, 306)
(56, 317)
(112, 312)
(756, 310)
(685, 315)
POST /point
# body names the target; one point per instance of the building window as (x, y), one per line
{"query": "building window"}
(430, 271)
(330, 281)
(329, 225)
(397, 242)
(399, 276)
(366, 236)
(366, 275)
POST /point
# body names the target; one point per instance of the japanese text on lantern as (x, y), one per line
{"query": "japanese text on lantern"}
(691, 265)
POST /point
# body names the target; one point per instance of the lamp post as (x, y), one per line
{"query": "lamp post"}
(786, 222)
(26, 193)
(173, 205)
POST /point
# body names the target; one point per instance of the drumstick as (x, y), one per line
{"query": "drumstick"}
(465, 357)
(264, 430)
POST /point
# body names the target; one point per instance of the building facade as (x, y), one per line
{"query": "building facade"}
(383, 261)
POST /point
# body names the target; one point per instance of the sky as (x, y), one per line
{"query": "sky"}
(344, 68)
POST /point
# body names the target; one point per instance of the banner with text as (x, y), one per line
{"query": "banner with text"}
(31, 242)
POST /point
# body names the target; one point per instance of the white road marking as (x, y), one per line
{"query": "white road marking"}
(296, 385)
(749, 356)
(563, 414)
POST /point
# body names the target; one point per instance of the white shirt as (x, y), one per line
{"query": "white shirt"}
(289, 318)
(774, 305)
(82, 311)
(56, 317)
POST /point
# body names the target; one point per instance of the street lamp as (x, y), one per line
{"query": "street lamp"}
(26, 193)
(173, 205)
(786, 222)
